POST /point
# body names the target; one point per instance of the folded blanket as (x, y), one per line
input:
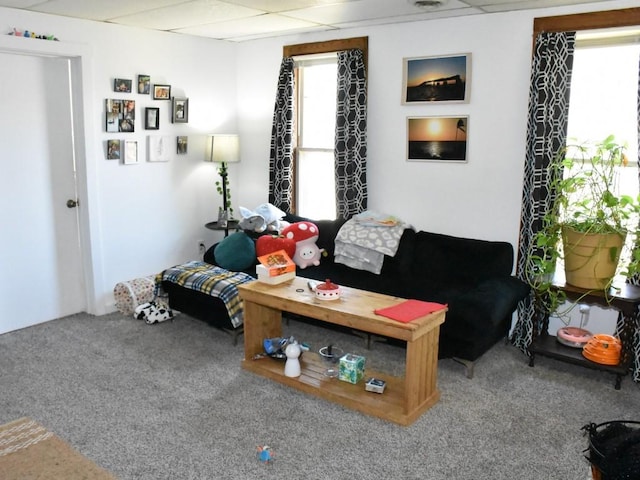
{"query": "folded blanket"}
(211, 280)
(363, 241)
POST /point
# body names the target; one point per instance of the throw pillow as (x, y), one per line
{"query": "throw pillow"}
(237, 252)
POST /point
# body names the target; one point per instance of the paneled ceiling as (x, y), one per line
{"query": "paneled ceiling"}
(239, 20)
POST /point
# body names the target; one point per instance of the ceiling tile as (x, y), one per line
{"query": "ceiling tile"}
(261, 24)
(197, 12)
(99, 9)
(275, 6)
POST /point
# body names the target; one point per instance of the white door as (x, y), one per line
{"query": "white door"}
(41, 276)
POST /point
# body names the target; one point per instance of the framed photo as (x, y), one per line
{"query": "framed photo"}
(120, 115)
(158, 147)
(144, 84)
(436, 79)
(151, 118)
(122, 85)
(182, 145)
(162, 92)
(130, 152)
(113, 149)
(437, 138)
(180, 110)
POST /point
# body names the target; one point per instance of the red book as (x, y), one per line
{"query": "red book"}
(410, 310)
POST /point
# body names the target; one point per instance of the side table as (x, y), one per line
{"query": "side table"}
(625, 300)
(231, 225)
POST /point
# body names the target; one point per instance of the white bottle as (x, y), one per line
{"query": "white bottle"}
(292, 367)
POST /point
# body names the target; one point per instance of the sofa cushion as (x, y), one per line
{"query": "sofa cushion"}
(460, 261)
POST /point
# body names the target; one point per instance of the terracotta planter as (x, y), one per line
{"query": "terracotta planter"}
(591, 259)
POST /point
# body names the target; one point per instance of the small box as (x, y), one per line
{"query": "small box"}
(351, 368)
(277, 263)
(264, 277)
(375, 385)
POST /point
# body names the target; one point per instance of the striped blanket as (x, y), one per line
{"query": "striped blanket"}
(211, 280)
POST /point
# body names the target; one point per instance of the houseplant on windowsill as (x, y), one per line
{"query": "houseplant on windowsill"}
(586, 211)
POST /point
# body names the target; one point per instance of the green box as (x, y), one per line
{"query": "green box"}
(351, 368)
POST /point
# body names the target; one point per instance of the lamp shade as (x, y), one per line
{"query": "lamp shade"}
(222, 149)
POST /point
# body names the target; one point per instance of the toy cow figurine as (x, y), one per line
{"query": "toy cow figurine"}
(305, 234)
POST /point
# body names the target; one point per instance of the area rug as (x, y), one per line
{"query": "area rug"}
(28, 451)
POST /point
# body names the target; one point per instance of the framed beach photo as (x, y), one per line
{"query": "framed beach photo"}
(151, 118)
(180, 110)
(437, 138)
(436, 79)
(162, 92)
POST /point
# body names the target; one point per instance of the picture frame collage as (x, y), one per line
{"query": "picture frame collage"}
(437, 80)
(120, 117)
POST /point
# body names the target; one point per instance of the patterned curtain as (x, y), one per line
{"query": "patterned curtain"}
(635, 280)
(282, 141)
(351, 135)
(546, 134)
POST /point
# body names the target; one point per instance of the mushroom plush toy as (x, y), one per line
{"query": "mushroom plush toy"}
(305, 234)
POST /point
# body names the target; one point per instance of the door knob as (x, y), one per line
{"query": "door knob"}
(72, 203)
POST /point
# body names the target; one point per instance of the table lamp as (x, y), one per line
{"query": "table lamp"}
(223, 149)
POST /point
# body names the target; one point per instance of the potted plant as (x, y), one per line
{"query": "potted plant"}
(590, 224)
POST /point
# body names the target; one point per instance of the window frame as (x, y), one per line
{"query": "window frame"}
(309, 49)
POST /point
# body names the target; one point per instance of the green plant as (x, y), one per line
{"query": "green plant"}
(584, 196)
(225, 191)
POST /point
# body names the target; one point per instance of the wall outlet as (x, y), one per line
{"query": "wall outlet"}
(201, 247)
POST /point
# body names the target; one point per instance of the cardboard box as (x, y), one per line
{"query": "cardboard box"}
(277, 263)
(375, 385)
(264, 277)
(351, 368)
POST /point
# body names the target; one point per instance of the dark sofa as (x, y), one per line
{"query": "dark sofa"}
(473, 277)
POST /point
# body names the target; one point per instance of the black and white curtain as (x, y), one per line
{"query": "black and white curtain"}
(635, 280)
(282, 141)
(351, 135)
(546, 134)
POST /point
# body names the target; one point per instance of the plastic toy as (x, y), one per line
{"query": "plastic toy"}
(265, 455)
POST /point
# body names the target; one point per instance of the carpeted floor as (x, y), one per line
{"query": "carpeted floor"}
(169, 401)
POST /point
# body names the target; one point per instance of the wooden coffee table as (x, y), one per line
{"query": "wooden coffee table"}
(404, 399)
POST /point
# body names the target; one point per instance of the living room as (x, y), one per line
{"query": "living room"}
(142, 218)
(231, 89)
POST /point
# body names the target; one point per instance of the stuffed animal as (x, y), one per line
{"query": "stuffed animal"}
(265, 217)
(305, 234)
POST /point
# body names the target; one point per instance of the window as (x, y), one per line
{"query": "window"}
(604, 89)
(316, 107)
(316, 85)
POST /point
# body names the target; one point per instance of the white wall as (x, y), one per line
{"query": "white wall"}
(150, 215)
(147, 216)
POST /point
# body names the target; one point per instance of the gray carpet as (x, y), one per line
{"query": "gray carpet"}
(169, 401)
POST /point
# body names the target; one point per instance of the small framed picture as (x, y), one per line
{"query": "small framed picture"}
(437, 138)
(113, 149)
(182, 145)
(144, 84)
(130, 152)
(151, 118)
(180, 109)
(436, 79)
(158, 147)
(122, 85)
(162, 92)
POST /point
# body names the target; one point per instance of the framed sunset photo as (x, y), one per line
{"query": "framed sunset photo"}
(437, 138)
